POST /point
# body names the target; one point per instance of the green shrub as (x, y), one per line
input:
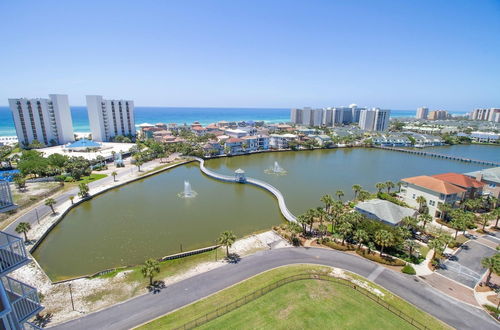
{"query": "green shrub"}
(295, 241)
(383, 260)
(493, 310)
(387, 197)
(60, 178)
(337, 246)
(408, 269)
(69, 179)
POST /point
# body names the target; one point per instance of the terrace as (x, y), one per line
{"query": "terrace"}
(12, 253)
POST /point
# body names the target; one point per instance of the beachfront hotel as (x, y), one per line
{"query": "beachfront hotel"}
(329, 117)
(47, 121)
(422, 113)
(374, 120)
(109, 118)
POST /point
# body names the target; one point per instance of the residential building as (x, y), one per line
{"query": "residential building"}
(491, 114)
(473, 188)
(321, 139)
(438, 115)
(422, 113)
(374, 120)
(482, 137)
(213, 148)
(199, 130)
(18, 301)
(491, 178)
(109, 118)
(237, 133)
(434, 191)
(392, 140)
(384, 211)
(278, 141)
(6, 200)
(234, 145)
(47, 121)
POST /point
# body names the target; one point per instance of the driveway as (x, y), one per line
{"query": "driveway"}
(465, 267)
(149, 306)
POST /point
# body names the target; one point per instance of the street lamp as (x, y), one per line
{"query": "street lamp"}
(71, 295)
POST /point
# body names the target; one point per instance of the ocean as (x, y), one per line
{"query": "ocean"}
(154, 115)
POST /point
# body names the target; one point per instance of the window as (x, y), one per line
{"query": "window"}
(441, 196)
(432, 203)
(492, 185)
(413, 196)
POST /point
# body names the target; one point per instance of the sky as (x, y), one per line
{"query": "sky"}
(259, 53)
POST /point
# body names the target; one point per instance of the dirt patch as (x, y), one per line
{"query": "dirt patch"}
(493, 299)
(283, 314)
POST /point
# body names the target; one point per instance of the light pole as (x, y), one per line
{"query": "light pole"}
(37, 217)
(71, 295)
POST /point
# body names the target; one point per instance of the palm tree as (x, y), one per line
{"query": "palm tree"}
(484, 219)
(356, 188)
(492, 264)
(438, 246)
(425, 218)
(327, 200)
(310, 214)
(421, 202)
(344, 230)
(50, 202)
(302, 220)
(84, 190)
(23, 227)
(227, 238)
(150, 268)
(383, 238)
(71, 198)
(409, 222)
(139, 163)
(496, 213)
(339, 194)
(320, 214)
(114, 174)
(399, 184)
(411, 246)
(363, 195)
(380, 186)
(389, 185)
(361, 236)
(443, 209)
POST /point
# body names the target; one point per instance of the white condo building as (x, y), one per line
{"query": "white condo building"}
(492, 114)
(47, 121)
(109, 118)
(422, 113)
(374, 120)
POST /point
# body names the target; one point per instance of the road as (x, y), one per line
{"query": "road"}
(149, 306)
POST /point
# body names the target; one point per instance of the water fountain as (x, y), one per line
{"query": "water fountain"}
(276, 170)
(188, 192)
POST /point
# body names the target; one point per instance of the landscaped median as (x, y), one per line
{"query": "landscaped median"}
(300, 296)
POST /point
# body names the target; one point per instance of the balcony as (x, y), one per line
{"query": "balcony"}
(30, 326)
(12, 253)
(23, 299)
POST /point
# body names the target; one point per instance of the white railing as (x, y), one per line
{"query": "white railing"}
(273, 190)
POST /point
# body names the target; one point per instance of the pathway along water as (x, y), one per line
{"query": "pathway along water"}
(147, 218)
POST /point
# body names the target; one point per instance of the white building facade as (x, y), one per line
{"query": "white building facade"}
(374, 120)
(422, 113)
(491, 114)
(47, 121)
(109, 118)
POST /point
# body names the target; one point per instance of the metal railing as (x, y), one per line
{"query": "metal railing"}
(12, 252)
(299, 277)
(23, 298)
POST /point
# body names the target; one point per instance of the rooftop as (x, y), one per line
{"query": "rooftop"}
(489, 174)
(385, 210)
(434, 184)
(84, 143)
(459, 180)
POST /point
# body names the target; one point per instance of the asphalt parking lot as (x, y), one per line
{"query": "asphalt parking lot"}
(465, 267)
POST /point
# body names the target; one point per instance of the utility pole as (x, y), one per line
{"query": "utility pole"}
(71, 295)
(37, 217)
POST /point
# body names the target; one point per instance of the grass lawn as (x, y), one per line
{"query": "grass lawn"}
(92, 177)
(423, 249)
(302, 304)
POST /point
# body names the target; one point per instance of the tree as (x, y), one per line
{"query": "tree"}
(303, 220)
(438, 246)
(71, 198)
(114, 174)
(380, 186)
(409, 222)
(344, 230)
(361, 236)
(363, 195)
(139, 163)
(410, 245)
(389, 185)
(50, 202)
(458, 223)
(496, 214)
(424, 218)
(383, 238)
(23, 227)
(484, 219)
(421, 203)
(339, 194)
(492, 264)
(356, 188)
(227, 238)
(327, 200)
(19, 181)
(84, 190)
(399, 184)
(443, 210)
(150, 268)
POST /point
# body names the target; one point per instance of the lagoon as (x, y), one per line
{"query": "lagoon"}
(148, 219)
